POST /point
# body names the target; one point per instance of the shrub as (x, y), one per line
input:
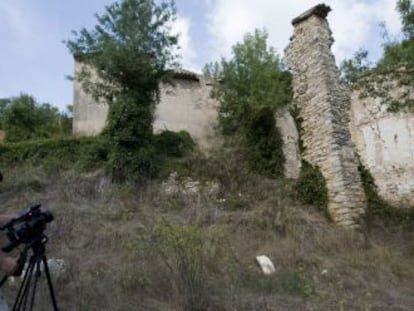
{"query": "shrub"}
(265, 144)
(311, 187)
(23, 118)
(173, 144)
(85, 153)
(377, 207)
(182, 249)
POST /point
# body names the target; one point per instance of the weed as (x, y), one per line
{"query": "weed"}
(311, 187)
(182, 249)
(377, 207)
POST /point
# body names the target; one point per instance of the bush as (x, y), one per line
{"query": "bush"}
(182, 250)
(65, 153)
(377, 207)
(22, 118)
(136, 165)
(173, 144)
(265, 144)
(311, 187)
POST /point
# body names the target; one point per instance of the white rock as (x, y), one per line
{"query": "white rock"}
(265, 264)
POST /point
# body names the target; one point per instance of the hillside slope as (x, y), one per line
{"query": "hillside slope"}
(188, 241)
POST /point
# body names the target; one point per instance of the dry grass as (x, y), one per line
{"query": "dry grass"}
(98, 229)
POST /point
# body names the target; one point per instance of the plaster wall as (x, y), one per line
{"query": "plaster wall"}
(290, 137)
(89, 116)
(385, 144)
(187, 105)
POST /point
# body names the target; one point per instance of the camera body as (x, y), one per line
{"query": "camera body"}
(26, 228)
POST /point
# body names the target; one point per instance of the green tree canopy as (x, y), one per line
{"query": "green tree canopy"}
(249, 87)
(23, 118)
(131, 49)
(353, 69)
(406, 10)
(252, 79)
(394, 69)
(401, 53)
(4, 103)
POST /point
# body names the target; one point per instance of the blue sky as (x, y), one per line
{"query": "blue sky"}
(34, 60)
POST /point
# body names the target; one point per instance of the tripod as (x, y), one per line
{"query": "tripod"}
(27, 291)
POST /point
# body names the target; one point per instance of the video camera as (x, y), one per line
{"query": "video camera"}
(27, 228)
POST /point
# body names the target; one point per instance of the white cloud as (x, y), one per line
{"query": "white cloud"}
(182, 26)
(353, 22)
(14, 21)
(21, 29)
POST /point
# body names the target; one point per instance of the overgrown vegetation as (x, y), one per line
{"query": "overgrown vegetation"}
(394, 70)
(311, 187)
(250, 85)
(158, 250)
(23, 118)
(59, 153)
(86, 153)
(378, 208)
(173, 144)
(189, 242)
(131, 51)
(265, 144)
(183, 251)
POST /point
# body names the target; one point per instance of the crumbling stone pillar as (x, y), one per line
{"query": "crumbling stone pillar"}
(324, 105)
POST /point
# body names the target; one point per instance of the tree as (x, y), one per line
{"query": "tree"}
(406, 10)
(250, 87)
(4, 103)
(353, 69)
(130, 49)
(23, 119)
(394, 69)
(252, 79)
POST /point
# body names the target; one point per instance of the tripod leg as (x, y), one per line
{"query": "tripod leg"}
(49, 282)
(36, 279)
(21, 298)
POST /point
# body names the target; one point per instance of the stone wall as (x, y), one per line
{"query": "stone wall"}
(185, 105)
(324, 106)
(385, 144)
(290, 137)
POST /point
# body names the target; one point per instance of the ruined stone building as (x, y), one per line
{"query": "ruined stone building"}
(339, 129)
(185, 104)
(324, 106)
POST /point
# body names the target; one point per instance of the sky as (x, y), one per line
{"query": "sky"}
(34, 60)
